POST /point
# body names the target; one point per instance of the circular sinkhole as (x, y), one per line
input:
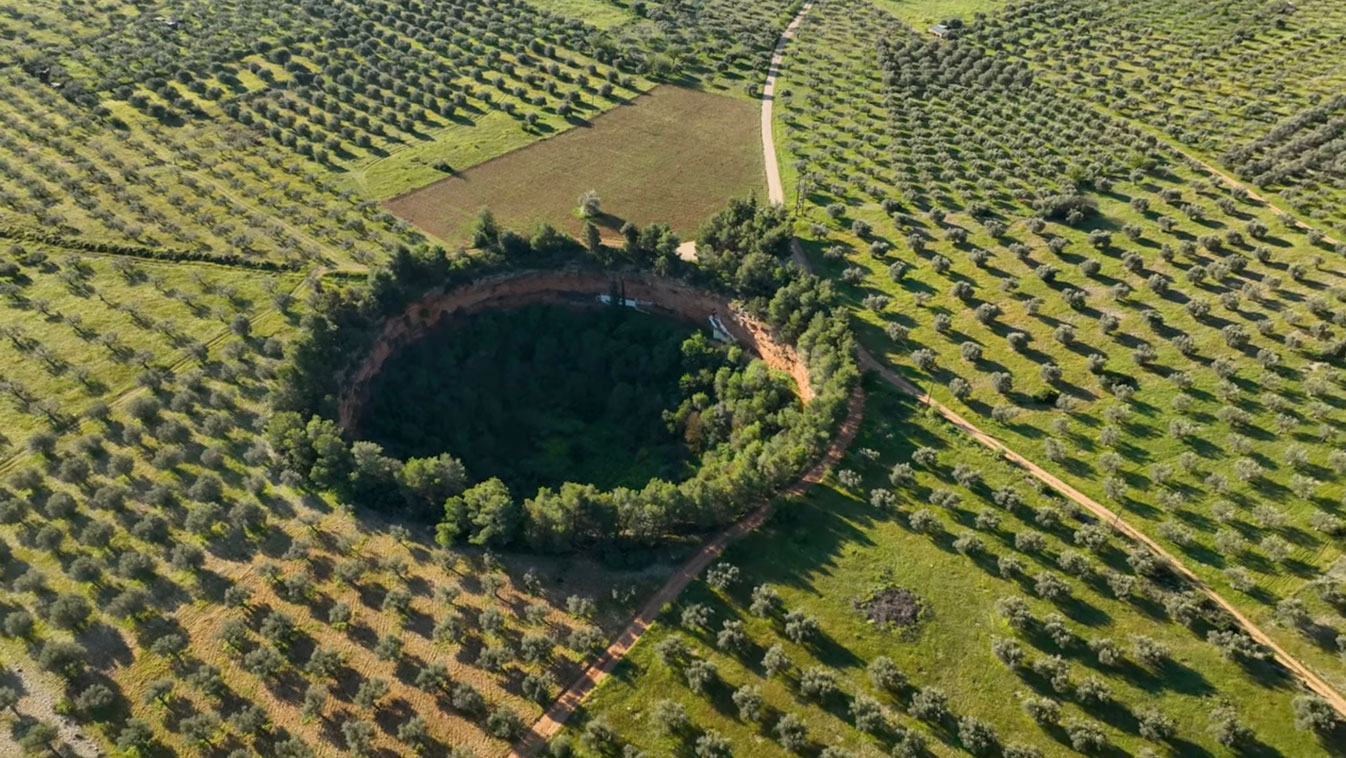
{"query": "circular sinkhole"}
(544, 394)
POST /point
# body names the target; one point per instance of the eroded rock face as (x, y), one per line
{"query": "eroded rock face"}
(660, 295)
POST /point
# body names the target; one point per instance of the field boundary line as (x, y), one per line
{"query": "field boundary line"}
(1230, 180)
(360, 173)
(556, 715)
(167, 255)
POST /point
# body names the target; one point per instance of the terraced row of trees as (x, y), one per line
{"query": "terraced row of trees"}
(181, 593)
(1251, 83)
(81, 330)
(197, 192)
(346, 84)
(1164, 342)
(936, 602)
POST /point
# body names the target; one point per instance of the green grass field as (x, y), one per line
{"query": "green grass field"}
(603, 14)
(672, 156)
(923, 14)
(842, 548)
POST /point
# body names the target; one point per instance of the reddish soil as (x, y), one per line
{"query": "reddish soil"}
(571, 287)
(581, 288)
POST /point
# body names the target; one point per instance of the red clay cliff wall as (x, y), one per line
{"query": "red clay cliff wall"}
(566, 287)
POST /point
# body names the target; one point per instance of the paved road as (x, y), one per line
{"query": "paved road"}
(555, 717)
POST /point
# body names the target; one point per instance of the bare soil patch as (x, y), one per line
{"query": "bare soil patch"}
(892, 606)
(38, 698)
(674, 155)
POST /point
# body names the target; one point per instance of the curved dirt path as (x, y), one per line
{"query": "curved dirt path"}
(1104, 514)
(555, 716)
(775, 191)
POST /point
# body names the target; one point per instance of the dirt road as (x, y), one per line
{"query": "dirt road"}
(1233, 182)
(38, 701)
(555, 717)
(1311, 680)
(775, 191)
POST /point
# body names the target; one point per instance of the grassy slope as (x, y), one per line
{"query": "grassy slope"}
(923, 14)
(841, 547)
(110, 377)
(1146, 440)
(600, 13)
(672, 156)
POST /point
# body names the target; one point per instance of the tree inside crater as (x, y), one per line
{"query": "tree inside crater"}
(542, 395)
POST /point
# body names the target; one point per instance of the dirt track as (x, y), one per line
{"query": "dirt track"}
(775, 190)
(572, 287)
(1232, 182)
(38, 701)
(556, 715)
(1106, 515)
